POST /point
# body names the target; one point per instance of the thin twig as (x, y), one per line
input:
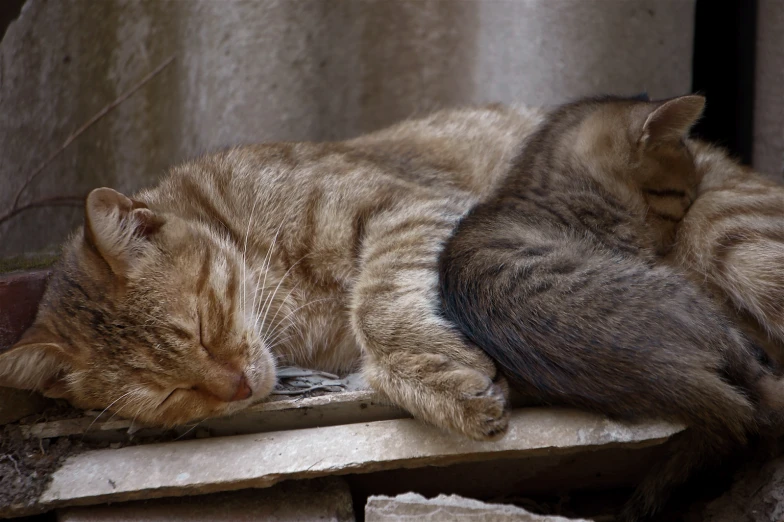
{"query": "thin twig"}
(60, 201)
(100, 114)
(13, 461)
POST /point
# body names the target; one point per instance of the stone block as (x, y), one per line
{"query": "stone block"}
(261, 460)
(448, 508)
(327, 500)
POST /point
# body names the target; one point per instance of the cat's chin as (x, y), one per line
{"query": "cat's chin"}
(262, 379)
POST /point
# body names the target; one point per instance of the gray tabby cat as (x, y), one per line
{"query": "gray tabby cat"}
(559, 277)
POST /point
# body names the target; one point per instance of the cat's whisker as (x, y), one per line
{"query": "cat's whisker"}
(269, 333)
(121, 408)
(266, 266)
(245, 250)
(274, 339)
(285, 299)
(268, 303)
(109, 406)
(301, 307)
(280, 341)
(132, 428)
(166, 398)
(190, 429)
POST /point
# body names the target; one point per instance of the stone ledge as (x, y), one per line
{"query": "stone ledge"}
(278, 414)
(261, 460)
(447, 508)
(327, 500)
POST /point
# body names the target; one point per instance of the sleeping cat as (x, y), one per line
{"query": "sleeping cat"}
(179, 302)
(732, 241)
(559, 276)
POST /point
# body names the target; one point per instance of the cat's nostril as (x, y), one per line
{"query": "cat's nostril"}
(243, 390)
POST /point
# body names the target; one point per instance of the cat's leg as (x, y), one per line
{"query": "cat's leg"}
(412, 355)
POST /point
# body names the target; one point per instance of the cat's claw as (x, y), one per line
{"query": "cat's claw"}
(491, 405)
(484, 405)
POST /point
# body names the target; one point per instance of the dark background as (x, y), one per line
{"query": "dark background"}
(723, 70)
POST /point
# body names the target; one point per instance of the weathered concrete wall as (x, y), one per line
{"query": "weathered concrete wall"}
(769, 99)
(292, 69)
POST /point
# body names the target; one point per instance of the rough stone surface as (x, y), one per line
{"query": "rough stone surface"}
(448, 508)
(261, 460)
(768, 102)
(329, 409)
(756, 496)
(327, 500)
(291, 70)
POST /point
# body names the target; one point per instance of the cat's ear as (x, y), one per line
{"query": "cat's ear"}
(119, 227)
(39, 361)
(671, 120)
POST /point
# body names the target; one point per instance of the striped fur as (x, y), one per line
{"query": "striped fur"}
(559, 276)
(322, 255)
(732, 240)
(178, 303)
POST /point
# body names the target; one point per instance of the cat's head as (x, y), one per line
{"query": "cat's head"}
(637, 150)
(637, 141)
(146, 314)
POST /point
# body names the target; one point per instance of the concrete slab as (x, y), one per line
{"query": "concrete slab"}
(278, 414)
(448, 508)
(261, 460)
(327, 500)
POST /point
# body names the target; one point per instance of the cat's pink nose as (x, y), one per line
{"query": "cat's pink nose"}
(243, 390)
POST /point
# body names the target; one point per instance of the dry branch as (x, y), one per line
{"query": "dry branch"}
(69, 200)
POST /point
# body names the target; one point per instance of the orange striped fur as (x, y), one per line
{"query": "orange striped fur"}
(178, 303)
(732, 240)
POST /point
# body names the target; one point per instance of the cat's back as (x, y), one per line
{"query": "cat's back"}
(464, 150)
(472, 146)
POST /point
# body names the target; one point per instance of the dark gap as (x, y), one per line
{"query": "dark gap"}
(725, 36)
(9, 11)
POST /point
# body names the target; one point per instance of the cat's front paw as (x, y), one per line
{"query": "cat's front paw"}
(484, 412)
(467, 400)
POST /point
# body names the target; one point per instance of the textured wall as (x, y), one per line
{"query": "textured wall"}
(769, 97)
(292, 69)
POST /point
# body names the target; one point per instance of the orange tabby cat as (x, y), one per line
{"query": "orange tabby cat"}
(732, 239)
(177, 303)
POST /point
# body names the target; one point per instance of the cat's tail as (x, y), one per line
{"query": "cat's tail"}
(702, 445)
(689, 450)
